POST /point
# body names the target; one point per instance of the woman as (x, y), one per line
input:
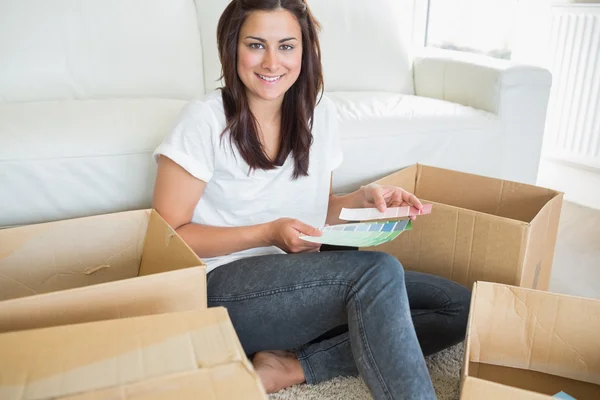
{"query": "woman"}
(246, 172)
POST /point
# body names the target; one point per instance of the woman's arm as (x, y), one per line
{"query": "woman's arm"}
(176, 194)
(212, 241)
(336, 203)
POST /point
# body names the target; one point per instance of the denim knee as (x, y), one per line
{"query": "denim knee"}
(385, 268)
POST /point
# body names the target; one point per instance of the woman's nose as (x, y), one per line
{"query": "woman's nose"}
(271, 60)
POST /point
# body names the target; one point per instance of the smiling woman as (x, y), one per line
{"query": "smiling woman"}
(301, 314)
(273, 56)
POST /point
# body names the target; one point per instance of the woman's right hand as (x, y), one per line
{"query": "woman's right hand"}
(285, 233)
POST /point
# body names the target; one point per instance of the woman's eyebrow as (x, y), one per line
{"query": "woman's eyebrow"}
(264, 41)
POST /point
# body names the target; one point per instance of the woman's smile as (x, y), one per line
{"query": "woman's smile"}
(270, 79)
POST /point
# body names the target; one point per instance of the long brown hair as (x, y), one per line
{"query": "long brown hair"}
(297, 110)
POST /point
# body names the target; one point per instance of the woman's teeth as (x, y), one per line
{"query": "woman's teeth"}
(269, 79)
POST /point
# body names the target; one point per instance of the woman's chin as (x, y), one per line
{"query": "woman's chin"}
(270, 95)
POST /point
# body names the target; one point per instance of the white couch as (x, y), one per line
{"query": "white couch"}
(89, 88)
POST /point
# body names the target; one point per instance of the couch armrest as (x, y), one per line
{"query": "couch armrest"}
(518, 94)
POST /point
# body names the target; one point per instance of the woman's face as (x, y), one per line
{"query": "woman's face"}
(269, 54)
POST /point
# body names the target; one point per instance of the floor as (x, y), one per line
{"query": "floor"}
(576, 271)
(576, 268)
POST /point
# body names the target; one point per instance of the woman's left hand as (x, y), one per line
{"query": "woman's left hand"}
(383, 197)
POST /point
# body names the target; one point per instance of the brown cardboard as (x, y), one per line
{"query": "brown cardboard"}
(153, 294)
(185, 355)
(530, 344)
(161, 236)
(473, 388)
(80, 270)
(480, 228)
(228, 381)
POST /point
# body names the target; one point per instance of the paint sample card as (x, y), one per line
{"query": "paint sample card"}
(361, 234)
(362, 214)
(564, 396)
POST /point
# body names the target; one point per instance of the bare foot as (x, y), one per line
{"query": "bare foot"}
(278, 369)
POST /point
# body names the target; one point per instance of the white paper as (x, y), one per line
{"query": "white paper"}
(362, 214)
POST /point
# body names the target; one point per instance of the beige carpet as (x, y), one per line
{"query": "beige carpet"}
(444, 368)
(576, 271)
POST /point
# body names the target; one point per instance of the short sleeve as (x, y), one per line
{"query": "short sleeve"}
(191, 143)
(335, 149)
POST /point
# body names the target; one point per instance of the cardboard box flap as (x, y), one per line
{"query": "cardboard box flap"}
(487, 195)
(164, 249)
(535, 330)
(477, 389)
(180, 290)
(234, 381)
(523, 202)
(405, 178)
(540, 250)
(73, 253)
(65, 360)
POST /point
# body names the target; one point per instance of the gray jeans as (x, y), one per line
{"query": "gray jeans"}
(344, 313)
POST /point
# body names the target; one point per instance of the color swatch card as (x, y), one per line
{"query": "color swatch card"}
(361, 234)
(564, 396)
(362, 214)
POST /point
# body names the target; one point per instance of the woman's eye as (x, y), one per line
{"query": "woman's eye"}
(286, 47)
(255, 46)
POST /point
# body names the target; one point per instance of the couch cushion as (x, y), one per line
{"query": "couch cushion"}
(76, 158)
(64, 49)
(383, 132)
(353, 39)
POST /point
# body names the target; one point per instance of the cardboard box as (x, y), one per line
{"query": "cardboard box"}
(180, 290)
(97, 256)
(185, 355)
(480, 228)
(529, 344)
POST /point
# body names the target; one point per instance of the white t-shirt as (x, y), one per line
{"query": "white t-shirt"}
(233, 197)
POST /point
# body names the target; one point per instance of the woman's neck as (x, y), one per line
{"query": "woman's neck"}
(268, 116)
(267, 113)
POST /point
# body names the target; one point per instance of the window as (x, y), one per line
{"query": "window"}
(478, 26)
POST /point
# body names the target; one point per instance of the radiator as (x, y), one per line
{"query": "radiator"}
(573, 124)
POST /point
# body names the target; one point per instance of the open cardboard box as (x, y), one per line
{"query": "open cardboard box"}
(184, 355)
(79, 270)
(529, 344)
(480, 228)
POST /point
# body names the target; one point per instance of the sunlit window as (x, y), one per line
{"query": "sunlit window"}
(477, 26)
